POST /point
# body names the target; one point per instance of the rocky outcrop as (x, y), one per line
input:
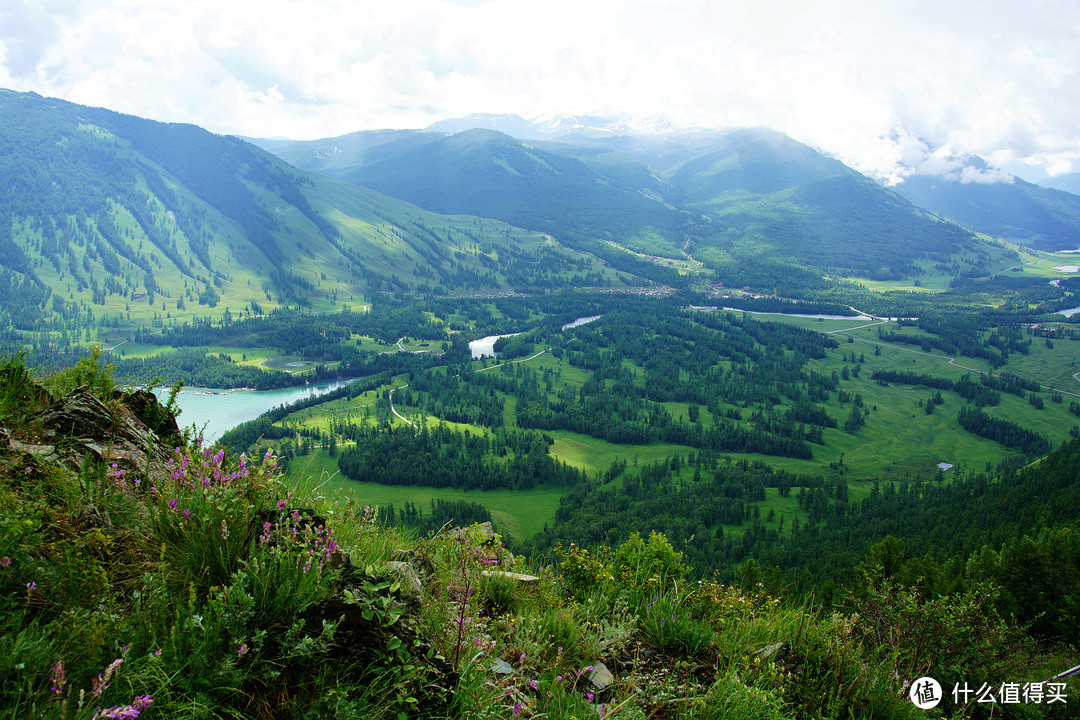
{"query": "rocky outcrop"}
(131, 430)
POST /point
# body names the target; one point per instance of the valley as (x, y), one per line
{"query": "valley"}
(774, 343)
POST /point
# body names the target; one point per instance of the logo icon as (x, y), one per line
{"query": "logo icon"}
(925, 693)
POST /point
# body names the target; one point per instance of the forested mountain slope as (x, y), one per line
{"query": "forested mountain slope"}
(749, 195)
(785, 198)
(108, 214)
(487, 173)
(1042, 218)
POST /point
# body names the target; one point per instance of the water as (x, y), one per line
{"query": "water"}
(1069, 313)
(581, 321)
(222, 410)
(485, 346)
(1067, 268)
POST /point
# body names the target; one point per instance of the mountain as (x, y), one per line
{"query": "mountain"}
(731, 199)
(513, 125)
(490, 174)
(1069, 182)
(1043, 218)
(109, 216)
(771, 191)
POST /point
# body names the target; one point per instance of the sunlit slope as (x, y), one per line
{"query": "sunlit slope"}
(108, 215)
(487, 173)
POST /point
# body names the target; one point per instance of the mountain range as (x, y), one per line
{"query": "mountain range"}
(125, 215)
(118, 213)
(750, 197)
(971, 193)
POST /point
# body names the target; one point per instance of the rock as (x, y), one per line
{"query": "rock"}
(501, 667)
(600, 677)
(145, 406)
(80, 424)
(776, 651)
(418, 561)
(407, 575)
(338, 560)
(520, 577)
(483, 532)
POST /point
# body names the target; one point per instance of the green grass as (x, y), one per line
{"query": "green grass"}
(520, 514)
(595, 455)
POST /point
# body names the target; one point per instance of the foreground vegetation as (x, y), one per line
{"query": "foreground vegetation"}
(201, 586)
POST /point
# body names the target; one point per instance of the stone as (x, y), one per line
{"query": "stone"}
(484, 532)
(407, 575)
(776, 651)
(501, 667)
(80, 424)
(600, 677)
(520, 577)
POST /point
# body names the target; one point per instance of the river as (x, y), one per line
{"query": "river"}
(222, 410)
(485, 346)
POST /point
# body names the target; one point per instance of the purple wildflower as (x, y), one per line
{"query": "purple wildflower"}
(58, 678)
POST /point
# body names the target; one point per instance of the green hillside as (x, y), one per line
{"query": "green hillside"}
(773, 195)
(1038, 217)
(113, 222)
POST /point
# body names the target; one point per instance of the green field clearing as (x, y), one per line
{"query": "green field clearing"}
(520, 514)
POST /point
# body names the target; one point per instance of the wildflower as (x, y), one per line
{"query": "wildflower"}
(558, 678)
(30, 586)
(224, 530)
(243, 650)
(589, 696)
(517, 709)
(5, 561)
(534, 684)
(172, 504)
(57, 678)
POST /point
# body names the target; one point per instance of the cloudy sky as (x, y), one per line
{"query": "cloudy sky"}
(876, 84)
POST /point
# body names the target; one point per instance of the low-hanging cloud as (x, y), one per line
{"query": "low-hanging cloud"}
(865, 82)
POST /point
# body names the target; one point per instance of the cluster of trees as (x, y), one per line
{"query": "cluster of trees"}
(980, 393)
(443, 457)
(459, 513)
(949, 346)
(1007, 433)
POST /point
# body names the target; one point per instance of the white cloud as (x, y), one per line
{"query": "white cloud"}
(866, 82)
